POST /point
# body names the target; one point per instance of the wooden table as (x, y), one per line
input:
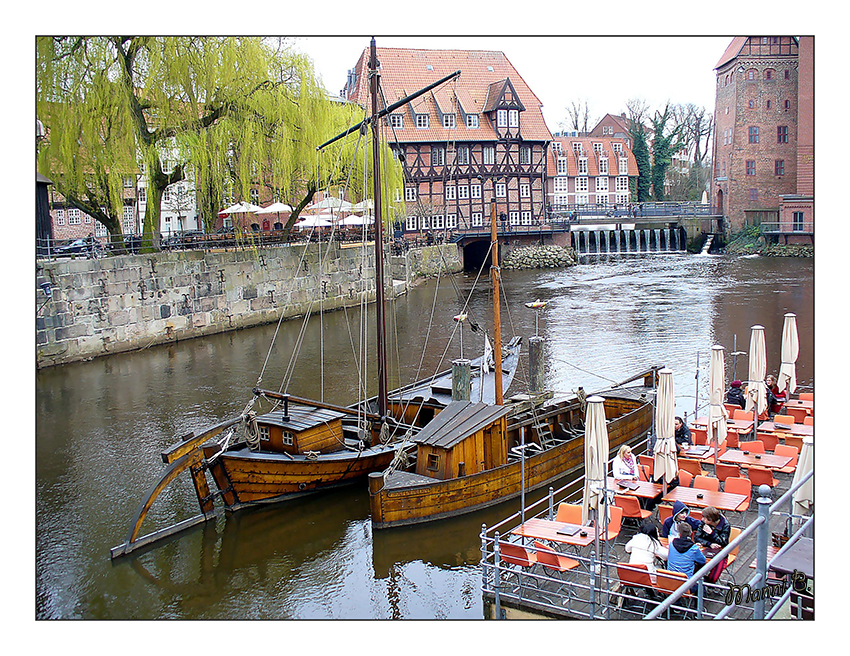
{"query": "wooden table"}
(740, 425)
(720, 500)
(799, 403)
(799, 557)
(644, 489)
(545, 529)
(766, 460)
(801, 430)
(697, 456)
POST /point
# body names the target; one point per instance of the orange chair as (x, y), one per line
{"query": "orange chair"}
(569, 513)
(761, 476)
(787, 450)
(664, 512)
(799, 414)
(633, 577)
(734, 532)
(631, 507)
(692, 466)
(685, 477)
(807, 396)
(668, 582)
(787, 420)
(730, 408)
(724, 471)
(795, 441)
(732, 439)
(755, 446)
(552, 560)
(647, 463)
(707, 483)
(699, 436)
(615, 521)
(739, 485)
(742, 414)
(809, 421)
(768, 440)
(516, 555)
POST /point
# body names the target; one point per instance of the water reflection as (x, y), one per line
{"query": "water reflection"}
(102, 424)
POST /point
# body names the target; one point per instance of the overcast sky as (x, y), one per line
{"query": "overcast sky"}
(606, 71)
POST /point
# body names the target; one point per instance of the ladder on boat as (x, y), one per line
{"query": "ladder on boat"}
(544, 434)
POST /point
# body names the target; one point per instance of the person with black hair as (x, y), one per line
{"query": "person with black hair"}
(645, 547)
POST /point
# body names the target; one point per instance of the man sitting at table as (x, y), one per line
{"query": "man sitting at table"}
(712, 535)
(683, 434)
(684, 555)
(681, 515)
(735, 396)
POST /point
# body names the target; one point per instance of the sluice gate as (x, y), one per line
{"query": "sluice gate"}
(599, 240)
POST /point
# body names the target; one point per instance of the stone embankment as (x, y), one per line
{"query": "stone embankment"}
(540, 257)
(129, 302)
(747, 243)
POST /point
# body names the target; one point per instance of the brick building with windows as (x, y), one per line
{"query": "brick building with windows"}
(478, 136)
(763, 147)
(590, 171)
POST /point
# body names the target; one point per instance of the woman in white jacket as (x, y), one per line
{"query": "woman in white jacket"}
(645, 547)
(625, 465)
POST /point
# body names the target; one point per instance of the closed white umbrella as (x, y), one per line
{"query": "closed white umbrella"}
(717, 414)
(790, 351)
(757, 390)
(804, 498)
(595, 459)
(666, 464)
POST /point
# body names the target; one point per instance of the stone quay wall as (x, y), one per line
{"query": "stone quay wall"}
(130, 302)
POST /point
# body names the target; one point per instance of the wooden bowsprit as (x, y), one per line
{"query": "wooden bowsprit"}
(187, 454)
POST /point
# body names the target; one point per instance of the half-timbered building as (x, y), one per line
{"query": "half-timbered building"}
(477, 137)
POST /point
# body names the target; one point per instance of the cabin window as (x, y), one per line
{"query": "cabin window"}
(288, 438)
(264, 433)
(433, 462)
(461, 469)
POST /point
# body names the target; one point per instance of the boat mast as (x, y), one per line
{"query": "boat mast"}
(374, 76)
(497, 317)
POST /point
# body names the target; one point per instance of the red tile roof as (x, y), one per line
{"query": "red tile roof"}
(592, 158)
(404, 71)
(732, 50)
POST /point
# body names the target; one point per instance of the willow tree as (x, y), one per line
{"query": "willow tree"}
(226, 113)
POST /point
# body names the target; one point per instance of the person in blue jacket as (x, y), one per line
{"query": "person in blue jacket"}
(680, 514)
(683, 554)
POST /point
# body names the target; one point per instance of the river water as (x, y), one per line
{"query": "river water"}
(101, 425)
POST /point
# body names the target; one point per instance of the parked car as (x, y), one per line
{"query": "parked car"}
(87, 247)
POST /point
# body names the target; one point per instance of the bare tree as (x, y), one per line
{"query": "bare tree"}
(579, 116)
(697, 127)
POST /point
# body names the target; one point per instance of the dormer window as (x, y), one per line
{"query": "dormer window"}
(396, 120)
(422, 121)
(449, 121)
(582, 165)
(472, 120)
(501, 118)
(513, 118)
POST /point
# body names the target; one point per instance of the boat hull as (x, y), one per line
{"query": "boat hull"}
(247, 477)
(403, 499)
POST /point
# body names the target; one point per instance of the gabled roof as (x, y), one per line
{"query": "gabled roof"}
(406, 70)
(301, 417)
(457, 421)
(502, 92)
(732, 50)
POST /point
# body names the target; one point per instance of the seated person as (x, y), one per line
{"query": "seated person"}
(775, 399)
(645, 547)
(735, 395)
(625, 465)
(712, 535)
(681, 514)
(683, 435)
(684, 555)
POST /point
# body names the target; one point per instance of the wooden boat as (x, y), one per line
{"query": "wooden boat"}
(470, 456)
(301, 445)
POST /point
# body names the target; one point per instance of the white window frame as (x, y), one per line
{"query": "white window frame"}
(462, 155)
(525, 190)
(410, 194)
(472, 121)
(513, 218)
(622, 183)
(581, 184)
(601, 185)
(577, 147)
(397, 121)
(477, 219)
(623, 168)
(525, 217)
(581, 199)
(74, 217)
(501, 190)
(562, 184)
(622, 199)
(462, 192)
(264, 433)
(618, 148)
(603, 166)
(488, 155)
(423, 121)
(287, 438)
(451, 221)
(562, 166)
(411, 223)
(582, 165)
(449, 121)
(425, 223)
(60, 217)
(597, 147)
(525, 154)
(501, 118)
(475, 191)
(438, 156)
(450, 192)
(513, 118)
(437, 222)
